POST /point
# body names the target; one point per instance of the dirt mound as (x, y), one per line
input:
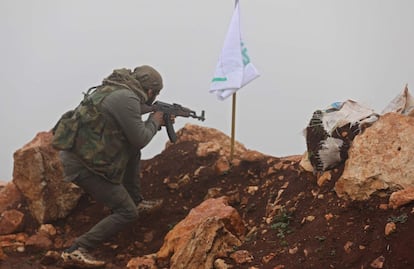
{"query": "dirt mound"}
(291, 221)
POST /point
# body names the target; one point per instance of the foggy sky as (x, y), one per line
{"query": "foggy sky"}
(309, 53)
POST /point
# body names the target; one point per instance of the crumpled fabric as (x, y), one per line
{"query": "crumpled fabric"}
(403, 104)
(330, 132)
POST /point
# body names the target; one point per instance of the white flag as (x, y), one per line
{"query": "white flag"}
(234, 69)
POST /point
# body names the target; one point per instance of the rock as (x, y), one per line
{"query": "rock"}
(402, 197)
(213, 193)
(383, 206)
(380, 158)
(207, 148)
(326, 176)
(310, 218)
(252, 156)
(390, 227)
(348, 247)
(10, 197)
(305, 164)
(220, 264)
(38, 174)
(378, 262)
(242, 256)
(328, 216)
(50, 257)
(13, 241)
(210, 141)
(146, 262)
(210, 240)
(222, 166)
(293, 250)
(39, 241)
(47, 229)
(266, 259)
(208, 232)
(11, 221)
(252, 189)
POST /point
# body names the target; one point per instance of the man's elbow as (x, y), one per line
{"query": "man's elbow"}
(140, 143)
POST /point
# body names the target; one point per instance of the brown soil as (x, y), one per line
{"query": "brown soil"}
(353, 238)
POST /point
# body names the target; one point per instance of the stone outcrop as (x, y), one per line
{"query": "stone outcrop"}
(38, 174)
(379, 159)
(212, 141)
(209, 141)
(209, 231)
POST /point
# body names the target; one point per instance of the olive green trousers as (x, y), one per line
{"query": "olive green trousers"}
(122, 199)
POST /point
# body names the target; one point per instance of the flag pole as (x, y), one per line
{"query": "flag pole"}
(233, 70)
(233, 124)
(233, 117)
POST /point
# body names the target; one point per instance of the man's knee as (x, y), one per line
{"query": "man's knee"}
(122, 204)
(128, 213)
(131, 214)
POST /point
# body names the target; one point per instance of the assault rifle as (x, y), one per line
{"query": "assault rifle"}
(169, 110)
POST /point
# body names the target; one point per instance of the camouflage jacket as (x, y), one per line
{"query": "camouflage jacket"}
(104, 132)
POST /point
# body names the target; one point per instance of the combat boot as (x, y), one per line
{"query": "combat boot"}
(79, 257)
(148, 207)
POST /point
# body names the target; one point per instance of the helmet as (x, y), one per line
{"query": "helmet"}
(148, 77)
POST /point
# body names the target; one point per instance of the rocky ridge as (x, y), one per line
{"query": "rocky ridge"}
(254, 211)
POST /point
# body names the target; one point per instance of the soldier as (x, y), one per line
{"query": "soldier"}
(100, 146)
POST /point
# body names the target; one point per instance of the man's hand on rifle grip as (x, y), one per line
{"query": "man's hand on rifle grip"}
(158, 117)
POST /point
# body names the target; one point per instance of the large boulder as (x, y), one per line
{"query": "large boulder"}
(211, 230)
(381, 158)
(38, 174)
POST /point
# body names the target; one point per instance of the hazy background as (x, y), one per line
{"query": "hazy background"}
(309, 54)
